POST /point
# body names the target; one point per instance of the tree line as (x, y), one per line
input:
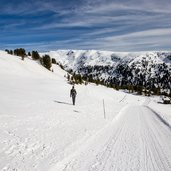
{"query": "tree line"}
(127, 77)
(45, 60)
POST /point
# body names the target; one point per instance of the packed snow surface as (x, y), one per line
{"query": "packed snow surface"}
(41, 130)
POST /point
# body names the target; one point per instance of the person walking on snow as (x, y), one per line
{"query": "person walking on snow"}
(73, 94)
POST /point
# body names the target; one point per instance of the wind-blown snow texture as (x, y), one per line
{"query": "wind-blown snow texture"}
(41, 130)
(144, 69)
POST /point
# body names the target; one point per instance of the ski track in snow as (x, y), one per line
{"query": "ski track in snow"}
(139, 140)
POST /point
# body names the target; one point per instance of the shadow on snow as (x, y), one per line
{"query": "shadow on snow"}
(62, 102)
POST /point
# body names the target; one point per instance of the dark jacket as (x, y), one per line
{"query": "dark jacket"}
(73, 92)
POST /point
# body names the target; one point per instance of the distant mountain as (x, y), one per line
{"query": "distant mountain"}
(137, 71)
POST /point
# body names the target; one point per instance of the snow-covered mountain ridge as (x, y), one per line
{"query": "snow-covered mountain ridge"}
(72, 58)
(122, 69)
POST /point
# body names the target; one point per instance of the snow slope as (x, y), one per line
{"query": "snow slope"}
(41, 130)
(148, 70)
(135, 140)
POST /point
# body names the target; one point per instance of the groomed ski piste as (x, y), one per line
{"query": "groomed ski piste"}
(40, 129)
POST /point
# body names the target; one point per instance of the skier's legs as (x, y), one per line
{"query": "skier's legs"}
(73, 100)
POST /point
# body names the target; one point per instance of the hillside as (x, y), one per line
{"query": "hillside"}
(134, 71)
(41, 130)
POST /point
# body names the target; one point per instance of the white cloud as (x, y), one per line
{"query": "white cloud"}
(111, 25)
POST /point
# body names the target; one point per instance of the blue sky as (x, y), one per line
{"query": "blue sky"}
(117, 25)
